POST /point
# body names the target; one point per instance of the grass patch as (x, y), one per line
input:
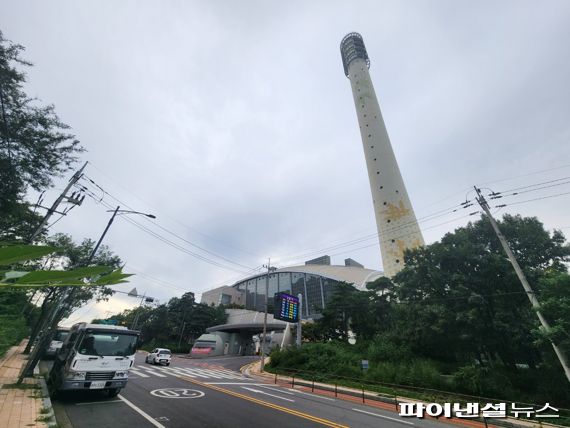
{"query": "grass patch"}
(44, 410)
(21, 386)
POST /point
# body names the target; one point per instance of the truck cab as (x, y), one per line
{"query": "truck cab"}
(94, 357)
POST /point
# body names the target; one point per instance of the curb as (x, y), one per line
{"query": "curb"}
(52, 422)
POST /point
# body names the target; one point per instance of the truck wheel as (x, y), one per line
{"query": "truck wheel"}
(167, 364)
(113, 392)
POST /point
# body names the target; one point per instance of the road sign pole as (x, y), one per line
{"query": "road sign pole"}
(299, 327)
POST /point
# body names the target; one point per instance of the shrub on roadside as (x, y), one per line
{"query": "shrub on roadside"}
(12, 331)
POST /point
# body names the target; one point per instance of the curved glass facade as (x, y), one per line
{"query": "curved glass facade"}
(316, 290)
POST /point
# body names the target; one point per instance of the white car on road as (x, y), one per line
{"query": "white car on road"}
(159, 356)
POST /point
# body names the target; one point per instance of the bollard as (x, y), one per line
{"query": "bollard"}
(293, 381)
(362, 393)
(335, 390)
(275, 378)
(313, 386)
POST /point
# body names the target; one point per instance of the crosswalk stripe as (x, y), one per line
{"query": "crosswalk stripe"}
(225, 374)
(138, 373)
(229, 374)
(196, 372)
(174, 372)
(152, 372)
(205, 373)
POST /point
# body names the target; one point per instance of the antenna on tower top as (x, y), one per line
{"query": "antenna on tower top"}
(352, 48)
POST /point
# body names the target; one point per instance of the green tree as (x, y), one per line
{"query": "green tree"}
(554, 295)
(35, 145)
(460, 300)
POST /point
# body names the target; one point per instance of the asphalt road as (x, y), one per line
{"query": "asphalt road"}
(213, 393)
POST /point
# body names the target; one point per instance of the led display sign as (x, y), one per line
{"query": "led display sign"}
(286, 307)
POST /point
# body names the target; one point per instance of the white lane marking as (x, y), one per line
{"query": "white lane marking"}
(311, 395)
(276, 390)
(152, 372)
(140, 412)
(98, 402)
(235, 383)
(138, 373)
(384, 417)
(266, 393)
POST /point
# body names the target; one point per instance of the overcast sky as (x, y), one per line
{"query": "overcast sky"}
(234, 124)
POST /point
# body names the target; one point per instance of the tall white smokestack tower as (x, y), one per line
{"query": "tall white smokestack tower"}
(395, 219)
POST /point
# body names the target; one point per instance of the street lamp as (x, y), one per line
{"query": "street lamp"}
(115, 212)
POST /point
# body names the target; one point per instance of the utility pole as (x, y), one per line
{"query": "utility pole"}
(262, 348)
(74, 179)
(299, 323)
(522, 278)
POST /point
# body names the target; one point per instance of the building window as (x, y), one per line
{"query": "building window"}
(298, 286)
(314, 300)
(285, 282)
(251, 294)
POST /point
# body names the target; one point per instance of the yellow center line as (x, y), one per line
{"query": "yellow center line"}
(312, 418)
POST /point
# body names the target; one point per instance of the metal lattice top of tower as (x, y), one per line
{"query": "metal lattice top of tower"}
(352, 48)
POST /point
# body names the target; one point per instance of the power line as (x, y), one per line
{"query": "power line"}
(525, 175)
(168, 241)
(170, 232)
(172, 218)
(533, 185)
(532, 200)
(498, 195)
(166, 283)
(427, 228)
(429, 217)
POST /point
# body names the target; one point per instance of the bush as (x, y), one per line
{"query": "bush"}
(12, 331)
(421, 373)
(484, 382)
(384, 348)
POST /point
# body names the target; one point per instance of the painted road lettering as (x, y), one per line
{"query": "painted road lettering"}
(177, 393)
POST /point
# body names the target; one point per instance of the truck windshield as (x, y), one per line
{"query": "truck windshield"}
(108, 344)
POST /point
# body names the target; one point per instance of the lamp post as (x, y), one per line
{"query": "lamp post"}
(115, 212)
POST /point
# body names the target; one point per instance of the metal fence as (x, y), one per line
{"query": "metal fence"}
(394, 394)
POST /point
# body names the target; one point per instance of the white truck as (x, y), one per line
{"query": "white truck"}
(94, 357)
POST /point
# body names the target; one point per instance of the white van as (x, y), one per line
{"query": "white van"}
(94, 357)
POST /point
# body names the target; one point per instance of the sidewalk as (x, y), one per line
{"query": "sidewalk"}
(23, 405)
